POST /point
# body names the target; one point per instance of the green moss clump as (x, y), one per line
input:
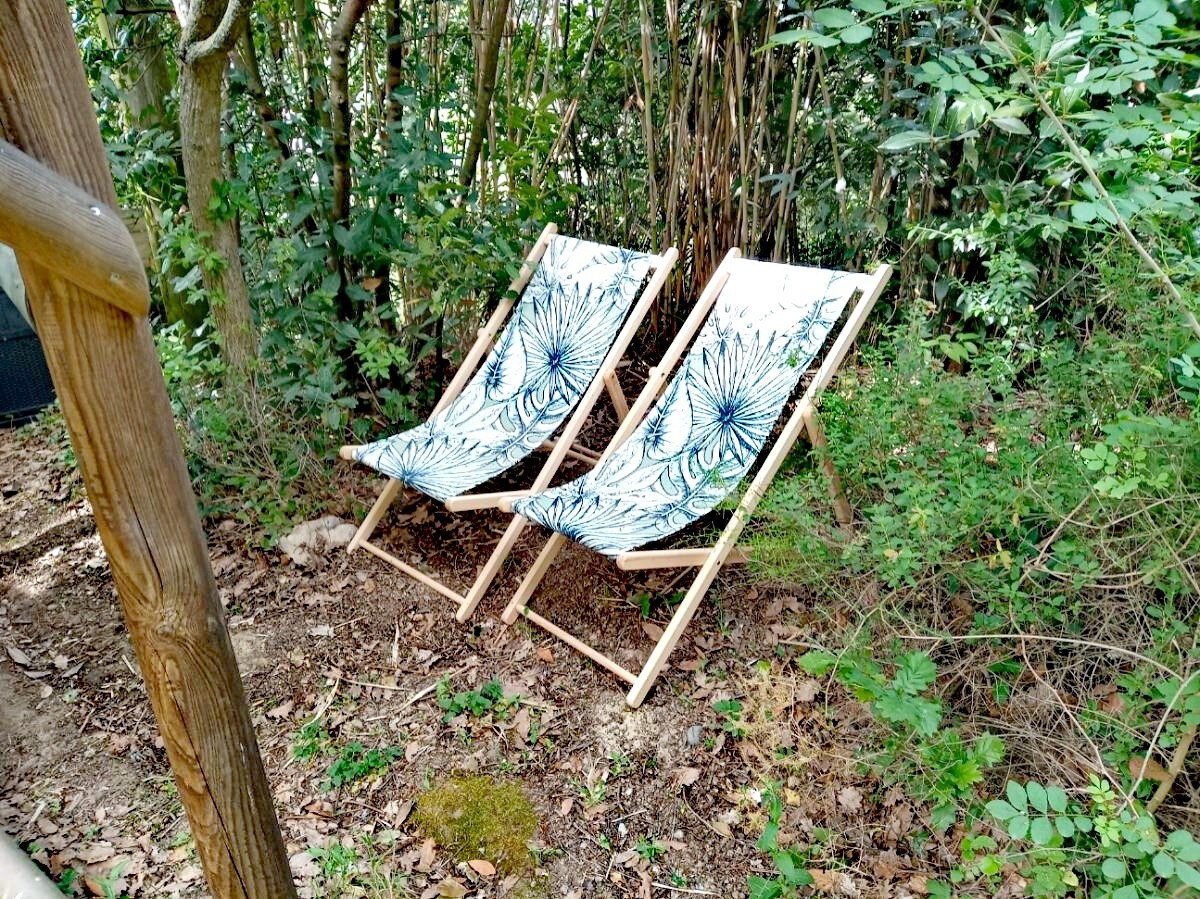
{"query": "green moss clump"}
(478, 817)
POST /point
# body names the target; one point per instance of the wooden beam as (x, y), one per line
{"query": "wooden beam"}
(114, 401)
(51, 220)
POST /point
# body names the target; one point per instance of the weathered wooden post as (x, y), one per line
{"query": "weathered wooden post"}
(88, 295)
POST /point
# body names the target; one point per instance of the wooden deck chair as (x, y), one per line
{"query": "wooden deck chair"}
(580, 305)
(767, 323)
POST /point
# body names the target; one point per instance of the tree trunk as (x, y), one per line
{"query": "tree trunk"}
(391, 115)
(485, 89)
(208, 35)
(340, 125)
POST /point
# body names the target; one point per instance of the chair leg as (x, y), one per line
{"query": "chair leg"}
(674, 630)
(521, 598)
(613, 385)
(491, 568)
(386, 498)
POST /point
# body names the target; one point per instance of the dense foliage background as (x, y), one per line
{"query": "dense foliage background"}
(1019, 434)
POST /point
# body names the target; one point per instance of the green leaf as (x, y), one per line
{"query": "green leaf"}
(1164, 865)
(817, 662)
(1041, 831)
(915, 671)
(1183, 846)
(1001, 810)
(1010, 125)
(1037, 795)
(989, 749)
(785, 865)
(1065, 826)
(871, 7)
(1018, 827)
(1189, 875)
(1114, 869)
(1057, 797)
(856, 34)
(834, 17)
(761, 888)
(906, 140)
(1016, 795)
(770, 837)
(942, 816)
(802, 36)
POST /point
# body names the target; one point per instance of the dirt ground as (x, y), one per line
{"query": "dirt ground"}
(358, 648)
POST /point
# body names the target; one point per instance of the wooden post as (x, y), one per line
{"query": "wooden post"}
(106, 371)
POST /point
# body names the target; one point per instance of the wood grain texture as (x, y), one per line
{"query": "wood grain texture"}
(114, 401)
(50, 220)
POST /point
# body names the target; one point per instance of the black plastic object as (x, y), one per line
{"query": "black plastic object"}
(25, 388)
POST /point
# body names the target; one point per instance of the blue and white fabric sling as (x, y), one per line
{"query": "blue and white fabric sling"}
(542, 362)
(714, 417)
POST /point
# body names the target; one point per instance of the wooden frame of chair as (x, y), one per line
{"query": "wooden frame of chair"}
(803, 419)
(558, 449)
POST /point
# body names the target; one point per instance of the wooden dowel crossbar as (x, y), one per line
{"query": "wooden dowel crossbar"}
(575, 451)
(579, 646)
(414, 573)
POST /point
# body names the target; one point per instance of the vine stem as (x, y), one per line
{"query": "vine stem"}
(1081, 157)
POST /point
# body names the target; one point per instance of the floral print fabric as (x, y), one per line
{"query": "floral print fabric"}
(711, 422)
(545, 357)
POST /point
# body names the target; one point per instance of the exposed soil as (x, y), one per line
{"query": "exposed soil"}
(84, 782)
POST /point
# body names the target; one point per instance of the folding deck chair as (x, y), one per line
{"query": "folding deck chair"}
(580, 305)
(662, 473)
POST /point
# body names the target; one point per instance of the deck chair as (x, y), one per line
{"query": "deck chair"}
(580, 306)
(693, 449)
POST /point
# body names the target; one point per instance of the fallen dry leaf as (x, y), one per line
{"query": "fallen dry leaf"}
(807, 690)
(17, 655)
(545, 654)
(482, 866)
(685, 777)
(427, 856)
(452, 888)
(1147, 769)
(850, 798)
(653, 631)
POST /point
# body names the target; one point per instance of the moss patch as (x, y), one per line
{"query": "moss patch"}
(478, 817)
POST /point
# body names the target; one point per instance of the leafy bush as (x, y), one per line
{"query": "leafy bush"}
(1104, 845)
(935, 764)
